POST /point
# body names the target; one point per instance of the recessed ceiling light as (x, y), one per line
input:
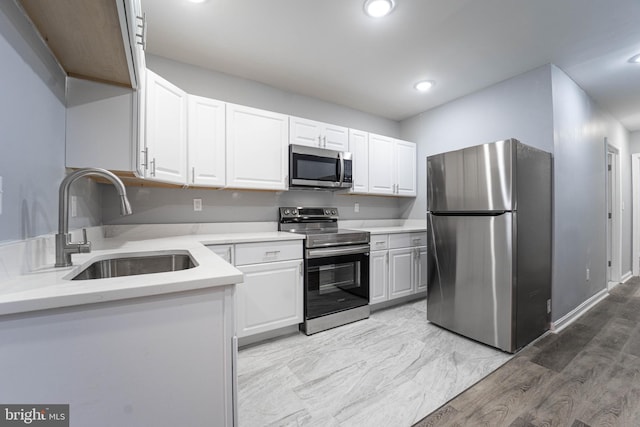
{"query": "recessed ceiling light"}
(378, 8)
(635, 59)
(424, 85)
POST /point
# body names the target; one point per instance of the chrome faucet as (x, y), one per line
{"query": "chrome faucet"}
(64, 246)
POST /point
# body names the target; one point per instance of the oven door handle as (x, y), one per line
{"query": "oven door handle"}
(323, 253)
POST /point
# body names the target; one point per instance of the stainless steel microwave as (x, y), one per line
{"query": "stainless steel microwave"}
(311, 167)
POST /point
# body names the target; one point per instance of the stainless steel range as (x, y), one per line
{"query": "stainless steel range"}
(336, 268)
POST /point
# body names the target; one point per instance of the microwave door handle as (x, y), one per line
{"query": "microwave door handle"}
(341, 168)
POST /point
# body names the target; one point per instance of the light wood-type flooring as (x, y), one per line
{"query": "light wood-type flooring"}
(587, 375)
(392, 369)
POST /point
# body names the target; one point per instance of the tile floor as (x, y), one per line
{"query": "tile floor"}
(389, 370)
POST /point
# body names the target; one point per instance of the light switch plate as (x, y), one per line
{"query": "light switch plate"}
(197, 205)
(356, 207)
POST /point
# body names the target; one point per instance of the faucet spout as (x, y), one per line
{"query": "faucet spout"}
(64, 246)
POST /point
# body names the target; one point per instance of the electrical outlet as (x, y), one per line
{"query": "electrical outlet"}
(197, 205)
(356, 207)
(74, 206)
(588, 275)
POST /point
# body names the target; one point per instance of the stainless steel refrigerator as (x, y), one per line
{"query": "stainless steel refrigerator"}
(489, 242)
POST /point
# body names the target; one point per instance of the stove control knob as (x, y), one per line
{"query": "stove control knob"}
(327, 211)
(334, 212)
(286, 211)
(294, 212)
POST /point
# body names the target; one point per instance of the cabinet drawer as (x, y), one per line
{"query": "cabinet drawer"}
(407, 240)
(379, 242)
(223, 251)
(256, 253)
(419, 239)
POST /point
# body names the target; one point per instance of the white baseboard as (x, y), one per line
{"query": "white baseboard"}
(575, 314)
(626, 276)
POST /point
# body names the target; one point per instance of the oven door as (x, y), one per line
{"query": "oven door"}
(336, 279)
(319, 167)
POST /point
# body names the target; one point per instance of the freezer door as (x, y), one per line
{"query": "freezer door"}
(469, 276)
(474, 179)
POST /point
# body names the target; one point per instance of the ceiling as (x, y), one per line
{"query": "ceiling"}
(329, 49)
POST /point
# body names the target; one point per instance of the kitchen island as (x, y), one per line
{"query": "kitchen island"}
(155, 349)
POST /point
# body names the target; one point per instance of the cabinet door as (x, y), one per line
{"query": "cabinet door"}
(257, 148)
(335, 137)
(166, 130)
(270, 297)
(405, 168)
(421, 270)
(381, 174)
(359, 147)
(378, 277)
(206, 142)
(305, 132)
(401, 272)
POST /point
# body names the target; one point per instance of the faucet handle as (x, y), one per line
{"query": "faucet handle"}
(84, 236)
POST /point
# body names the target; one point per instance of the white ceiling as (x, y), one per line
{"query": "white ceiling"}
(329, 49)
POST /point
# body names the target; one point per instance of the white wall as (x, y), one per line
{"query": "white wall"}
(516, 108)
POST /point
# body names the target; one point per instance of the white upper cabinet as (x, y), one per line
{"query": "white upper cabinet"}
(405, 168)
(317, 134)
(392, 166)
(359, 148)
(381, 165)
(206, 142)
(166, 131)
(257, 148)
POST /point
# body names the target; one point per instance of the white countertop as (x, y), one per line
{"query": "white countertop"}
(394, 229)
(49, 287)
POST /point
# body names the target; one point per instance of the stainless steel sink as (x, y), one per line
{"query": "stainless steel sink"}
(134, 265)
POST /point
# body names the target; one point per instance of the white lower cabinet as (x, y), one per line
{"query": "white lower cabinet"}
(399, 271)
(271, 296)
(378, 276)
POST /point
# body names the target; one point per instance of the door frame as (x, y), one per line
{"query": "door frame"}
(613, 187)
(635, 185)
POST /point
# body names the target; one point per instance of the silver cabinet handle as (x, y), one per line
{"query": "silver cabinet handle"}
(153, 167)
(320, 141)
(142, 37)
(324, 139)
(271, 253)
(379, 243)
(300, 269)
(145, 152)
(193, 175)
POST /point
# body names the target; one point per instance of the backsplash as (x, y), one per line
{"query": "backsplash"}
(175, 205)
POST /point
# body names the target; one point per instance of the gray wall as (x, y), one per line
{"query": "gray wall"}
(32, 123)
(580, 194)
(516, 108)
(224, 87)
(167, 205)
(32, 120)
(545, 109)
